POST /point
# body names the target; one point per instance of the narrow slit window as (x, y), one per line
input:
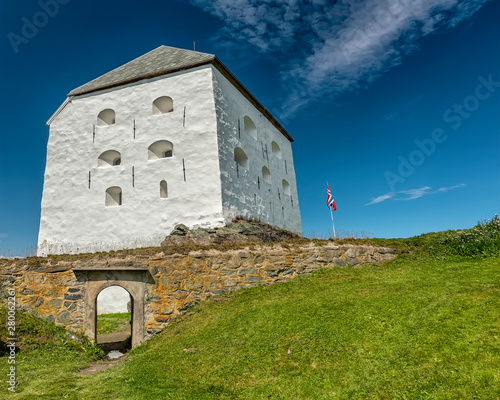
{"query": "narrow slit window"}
(163, 190)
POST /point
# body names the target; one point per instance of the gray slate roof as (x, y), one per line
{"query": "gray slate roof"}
(160, 61)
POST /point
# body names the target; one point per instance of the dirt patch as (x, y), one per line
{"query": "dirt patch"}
(115, 341)
(119, 340)
(102, 365)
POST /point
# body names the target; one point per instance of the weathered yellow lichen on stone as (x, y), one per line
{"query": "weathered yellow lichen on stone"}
(57, 292)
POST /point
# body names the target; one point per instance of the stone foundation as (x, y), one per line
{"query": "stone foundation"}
(64, 291)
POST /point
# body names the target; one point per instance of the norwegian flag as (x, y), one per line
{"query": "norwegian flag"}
(329, 199)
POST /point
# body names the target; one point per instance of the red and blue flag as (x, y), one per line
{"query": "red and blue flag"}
(329, 199)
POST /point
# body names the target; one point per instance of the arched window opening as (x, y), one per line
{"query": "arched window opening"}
(240, 157)
(163, 105)
(286, 188)
(113, 196)
(276, 149)
(160, 149)
(106, 117)
(266, 174)
(163, 190)
(250, 127)
(109, 158)
(113, 325)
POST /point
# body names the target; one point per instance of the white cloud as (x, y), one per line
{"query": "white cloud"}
(334, 47)
(380, 199)
(446, 189)
(412, 194)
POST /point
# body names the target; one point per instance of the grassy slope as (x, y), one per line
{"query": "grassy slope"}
(47, 359)
(417, 327)
(405, 330)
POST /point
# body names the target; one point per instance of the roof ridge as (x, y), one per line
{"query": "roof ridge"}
(159, 61)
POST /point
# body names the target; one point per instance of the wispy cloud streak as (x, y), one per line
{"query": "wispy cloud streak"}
(336, 47)
(411, 194)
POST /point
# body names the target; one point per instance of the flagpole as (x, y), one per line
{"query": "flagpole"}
(333, 226)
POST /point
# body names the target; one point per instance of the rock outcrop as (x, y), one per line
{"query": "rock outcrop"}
(237, 232)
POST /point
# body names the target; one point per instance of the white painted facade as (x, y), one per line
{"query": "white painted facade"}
(248, 191)
(197, 184)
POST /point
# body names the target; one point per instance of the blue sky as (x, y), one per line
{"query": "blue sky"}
(395, 103)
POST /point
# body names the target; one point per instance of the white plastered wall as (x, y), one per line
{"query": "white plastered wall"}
(241, 194)
(74, 218)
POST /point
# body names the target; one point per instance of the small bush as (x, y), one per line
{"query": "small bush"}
(481, 241)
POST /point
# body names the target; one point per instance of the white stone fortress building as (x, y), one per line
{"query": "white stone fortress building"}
(171, 137)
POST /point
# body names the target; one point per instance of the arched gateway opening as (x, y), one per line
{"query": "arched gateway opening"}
(114, 320)
(131, 278)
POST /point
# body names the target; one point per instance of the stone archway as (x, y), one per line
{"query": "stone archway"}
(117, 341)
(132, 279)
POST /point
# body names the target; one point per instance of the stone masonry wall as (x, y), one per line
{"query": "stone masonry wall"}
(56, 292)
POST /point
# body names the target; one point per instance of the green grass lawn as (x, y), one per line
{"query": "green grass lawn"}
(418, 327)
(114, 322)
